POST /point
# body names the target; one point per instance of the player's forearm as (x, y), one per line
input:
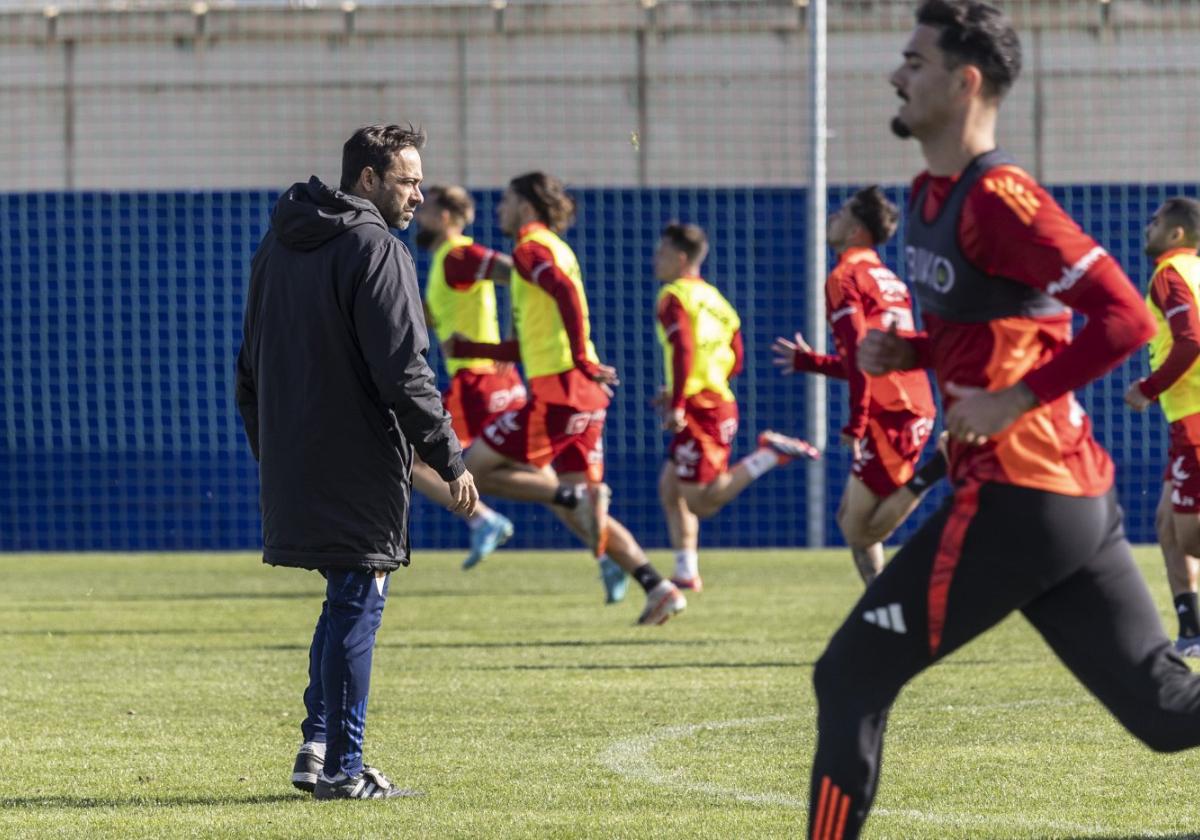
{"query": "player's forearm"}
(1184, 353)
(502, 266)
(1118, 323)
(682, 357)
(831, 365)
(570, 310)
(504, 351)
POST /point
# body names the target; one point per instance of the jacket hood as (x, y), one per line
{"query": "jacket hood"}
(310, 214)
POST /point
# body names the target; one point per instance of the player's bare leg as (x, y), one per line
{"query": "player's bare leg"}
(854, 516)
(774, 449)
(663, 598)
(1175, 531)
(498, 475)
(489, 528)
(684, 528)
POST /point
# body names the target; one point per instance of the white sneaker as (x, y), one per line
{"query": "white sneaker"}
(662, 602)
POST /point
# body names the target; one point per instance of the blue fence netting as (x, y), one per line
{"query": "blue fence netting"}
(120, 318)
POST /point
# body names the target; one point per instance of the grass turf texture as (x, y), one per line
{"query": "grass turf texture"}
(159, 696)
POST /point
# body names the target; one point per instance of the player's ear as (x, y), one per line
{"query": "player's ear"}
(368, 178)
(970, 78)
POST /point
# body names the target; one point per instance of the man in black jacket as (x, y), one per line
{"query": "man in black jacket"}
(335, 392)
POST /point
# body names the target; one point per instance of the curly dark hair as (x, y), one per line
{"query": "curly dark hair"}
(555, 207)
(978, 34)
(874, 212)
(375, 146)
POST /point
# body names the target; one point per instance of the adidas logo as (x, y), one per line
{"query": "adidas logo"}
(889, 618)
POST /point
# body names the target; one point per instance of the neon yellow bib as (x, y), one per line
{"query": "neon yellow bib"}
(470, 311)
(1182, 398)
(714, 321)
(545, 347)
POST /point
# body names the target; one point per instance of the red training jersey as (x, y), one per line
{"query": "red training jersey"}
(678, 327)
(1174, 298)
(467, 264)
(1010, 227)
(863, 294)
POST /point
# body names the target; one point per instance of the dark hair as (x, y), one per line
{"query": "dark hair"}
(453, 199)
(978, 34)
(688, 239)
(874, 212)
(375, 146)
(1185, 213)
(554, 206)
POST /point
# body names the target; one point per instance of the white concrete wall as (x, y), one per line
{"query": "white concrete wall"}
(138, 101)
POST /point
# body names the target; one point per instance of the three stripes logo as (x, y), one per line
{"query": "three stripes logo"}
(888, 617)
(833, 806)
(1022, 201)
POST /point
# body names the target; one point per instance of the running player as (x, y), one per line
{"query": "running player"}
(891, 417)
(460, 296)
(550, 450)
(1033, 524)
(701, 340)
(1171, 240)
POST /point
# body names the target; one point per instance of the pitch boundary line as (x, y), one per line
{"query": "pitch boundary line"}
(631, 758)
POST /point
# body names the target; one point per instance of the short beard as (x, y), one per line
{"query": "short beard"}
(425, 238)
(900, 128)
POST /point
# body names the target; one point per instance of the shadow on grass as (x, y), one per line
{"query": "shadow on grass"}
(146, 802)
(214, 596)
(190, 631)
(558, 643)
(645, 666)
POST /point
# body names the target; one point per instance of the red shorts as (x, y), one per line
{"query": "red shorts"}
(700, 452)
(542, 433)
(890, 450)
(1183, 471)
(475, 397)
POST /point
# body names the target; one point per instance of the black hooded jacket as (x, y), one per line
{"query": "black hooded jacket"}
(334, 387)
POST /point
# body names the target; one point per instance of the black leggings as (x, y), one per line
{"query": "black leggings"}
(990, 549)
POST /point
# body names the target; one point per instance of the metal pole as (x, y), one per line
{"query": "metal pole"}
(461, 98)
(69, 113)
(814, 327)
(643, 104)
(1039, 109)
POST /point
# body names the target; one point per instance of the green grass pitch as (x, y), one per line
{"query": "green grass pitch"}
(158, 696)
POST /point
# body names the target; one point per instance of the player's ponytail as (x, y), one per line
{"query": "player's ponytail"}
(554, 206)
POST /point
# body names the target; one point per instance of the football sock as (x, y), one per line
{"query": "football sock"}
(687, 563)
(480, 519)
(1185, 608)
(760, 461)
(317, 748)
(930, 473)
(646, 577)
(565, 496)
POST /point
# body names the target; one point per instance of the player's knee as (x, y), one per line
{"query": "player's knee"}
(1189, 538)
(704, 508)
(856, 531)
(833, 679)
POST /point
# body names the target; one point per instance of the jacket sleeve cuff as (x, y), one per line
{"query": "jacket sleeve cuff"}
(457, 467)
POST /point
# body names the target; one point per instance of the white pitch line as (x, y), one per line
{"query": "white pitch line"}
(631, 758)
